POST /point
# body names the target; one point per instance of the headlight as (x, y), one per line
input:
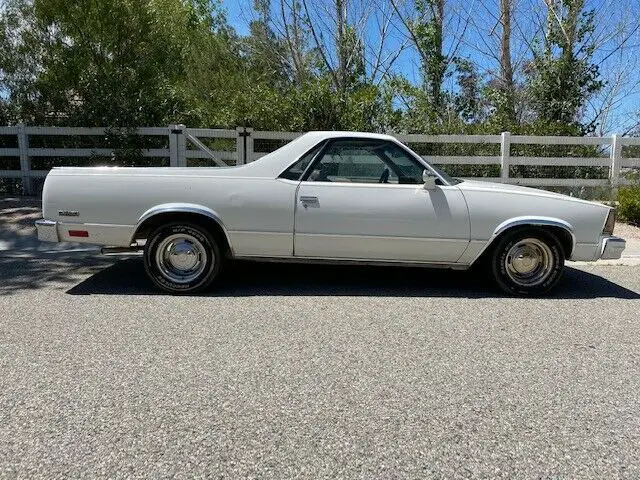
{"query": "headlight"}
(610, 223)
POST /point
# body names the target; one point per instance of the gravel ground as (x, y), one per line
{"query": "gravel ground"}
(315, 372)
(626, 231)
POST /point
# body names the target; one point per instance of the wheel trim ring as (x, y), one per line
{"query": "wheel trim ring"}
(529, 262)
(181, 258)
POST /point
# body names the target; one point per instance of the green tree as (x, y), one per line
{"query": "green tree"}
(562, 76)
(428, 32)
(468, 100)
(100, 62)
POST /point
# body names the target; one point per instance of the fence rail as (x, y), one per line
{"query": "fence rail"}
(183, 145)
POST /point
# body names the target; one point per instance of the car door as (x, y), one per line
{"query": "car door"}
(364, 199)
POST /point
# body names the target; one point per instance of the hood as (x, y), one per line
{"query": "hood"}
(495, 187)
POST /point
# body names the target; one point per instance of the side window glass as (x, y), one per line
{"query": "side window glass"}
(352, 161)
(407, 168)
(295, 171)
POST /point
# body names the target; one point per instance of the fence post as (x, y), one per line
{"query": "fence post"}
(240, 141)
(505, 155)
(182, 145)
(25, 161)
(177, 146)
(244, 145)
(248, 146)
(173, 146)
(616, 157)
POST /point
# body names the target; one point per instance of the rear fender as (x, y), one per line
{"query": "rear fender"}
(190, 208)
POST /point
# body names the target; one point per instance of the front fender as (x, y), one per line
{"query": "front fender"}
(537, 221)
(528, 220)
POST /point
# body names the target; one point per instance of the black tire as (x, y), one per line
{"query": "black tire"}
(182, 258)
(527, 262)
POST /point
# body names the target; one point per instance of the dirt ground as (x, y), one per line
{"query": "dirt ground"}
(626, 231)
(17, 215)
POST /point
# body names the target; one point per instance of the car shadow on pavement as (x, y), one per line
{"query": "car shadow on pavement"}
(33, 272)
(127, 277)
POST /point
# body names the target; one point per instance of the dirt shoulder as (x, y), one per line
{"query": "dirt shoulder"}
(18, 215)
(626, 231)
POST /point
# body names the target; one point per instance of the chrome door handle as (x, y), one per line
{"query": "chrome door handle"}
(312, 202)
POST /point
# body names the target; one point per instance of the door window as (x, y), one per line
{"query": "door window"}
(408, 170)
(365, 161)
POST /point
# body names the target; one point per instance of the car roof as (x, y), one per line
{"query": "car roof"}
(339, 133)
(275, 162)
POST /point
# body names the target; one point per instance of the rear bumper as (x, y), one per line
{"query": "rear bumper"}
(612, 248)
(47, 230)
(91, 233)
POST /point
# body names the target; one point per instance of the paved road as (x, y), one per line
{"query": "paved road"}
(315, 372)
(310, 372)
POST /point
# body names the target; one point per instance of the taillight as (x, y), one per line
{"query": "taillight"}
(610, 223)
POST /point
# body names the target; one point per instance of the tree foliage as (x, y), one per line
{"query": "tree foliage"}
(562, 77)
(127, 63)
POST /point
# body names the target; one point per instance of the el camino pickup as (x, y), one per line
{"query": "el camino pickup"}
(331, 197)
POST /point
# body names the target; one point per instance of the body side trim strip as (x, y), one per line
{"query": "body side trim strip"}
(385, 237)
(353, 261)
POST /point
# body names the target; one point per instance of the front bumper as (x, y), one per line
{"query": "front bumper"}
(47, 230)
(612, 248)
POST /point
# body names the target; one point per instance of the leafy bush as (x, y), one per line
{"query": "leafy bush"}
(629, 200)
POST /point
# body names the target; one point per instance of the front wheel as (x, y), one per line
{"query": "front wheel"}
(182, 258)
(527, 262)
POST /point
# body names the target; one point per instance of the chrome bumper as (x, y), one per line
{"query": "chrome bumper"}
(612, 248)
(47, 230)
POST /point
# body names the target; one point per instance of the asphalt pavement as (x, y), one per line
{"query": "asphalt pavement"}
(314, 372)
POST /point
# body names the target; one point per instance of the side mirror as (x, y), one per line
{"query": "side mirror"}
(429, 180)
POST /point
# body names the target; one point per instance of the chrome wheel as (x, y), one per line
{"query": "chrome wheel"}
(181, 258)
(529, 262)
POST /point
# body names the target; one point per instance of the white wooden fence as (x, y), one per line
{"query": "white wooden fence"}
(185, 144)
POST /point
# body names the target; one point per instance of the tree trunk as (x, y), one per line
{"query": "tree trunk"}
(438, 70)
(551, 25)
(343, 54)
(506, 67)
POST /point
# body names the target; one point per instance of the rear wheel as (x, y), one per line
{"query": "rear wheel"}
(527, 262)
(182, 258)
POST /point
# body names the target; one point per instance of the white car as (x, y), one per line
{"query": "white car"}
(330, 197)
